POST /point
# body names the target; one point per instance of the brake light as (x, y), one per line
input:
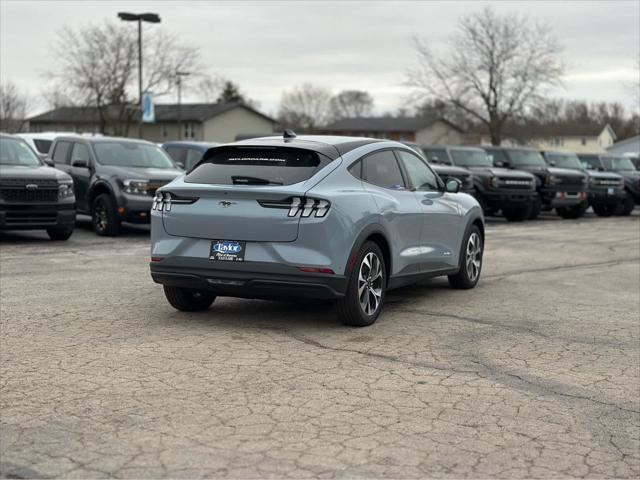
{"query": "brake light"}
(157, 259)
(316, 270)
(305, 206)
(164, 200)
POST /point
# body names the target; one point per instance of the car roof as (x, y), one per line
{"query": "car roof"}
(187, 143)
(329, 145)
(102, 139)
(44, 135)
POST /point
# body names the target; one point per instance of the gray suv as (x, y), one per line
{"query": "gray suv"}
(319, 217)
(115, 179)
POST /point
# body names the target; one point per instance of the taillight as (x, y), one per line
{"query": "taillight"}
(164, 200)
(306, 206)
(316, 270)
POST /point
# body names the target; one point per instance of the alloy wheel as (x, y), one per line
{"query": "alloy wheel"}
(474, 256)
(370, 281)
(100, 216)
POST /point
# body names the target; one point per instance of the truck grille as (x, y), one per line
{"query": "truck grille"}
(576, 183)
(607, 183)
(27, 190)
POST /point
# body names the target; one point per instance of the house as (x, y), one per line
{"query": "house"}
(628, 146)
(212, 122)
(580, 137)
(422, 130)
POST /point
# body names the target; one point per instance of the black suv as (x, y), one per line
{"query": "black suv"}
(559, 188)
(115, 178)
(622, 166)
(606, 189)
(509, 191)
(33, 196)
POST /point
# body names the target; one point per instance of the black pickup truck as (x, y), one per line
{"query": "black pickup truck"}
(496, 189)
(559, 188)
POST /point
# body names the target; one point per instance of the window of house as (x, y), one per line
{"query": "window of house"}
(382, 169)
(583, 141)
(189, 130)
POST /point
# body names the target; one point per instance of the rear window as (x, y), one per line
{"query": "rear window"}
(42, 146)
(257, 166)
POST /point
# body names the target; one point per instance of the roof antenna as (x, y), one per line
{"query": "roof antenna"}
(289, 134)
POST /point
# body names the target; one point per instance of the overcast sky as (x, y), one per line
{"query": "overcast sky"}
(268, 47)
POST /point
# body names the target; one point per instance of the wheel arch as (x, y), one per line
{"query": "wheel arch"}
(99, 188)
(376, 234)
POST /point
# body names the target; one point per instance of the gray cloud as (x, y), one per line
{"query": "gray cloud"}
(269, 47)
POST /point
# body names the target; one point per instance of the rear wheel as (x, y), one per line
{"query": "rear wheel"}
(365, 293)
(470, 261)
(188, 300)
(103, 216)
(517, 214)
(59, 233)
(626, 206)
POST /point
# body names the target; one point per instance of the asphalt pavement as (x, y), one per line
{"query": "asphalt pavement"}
(535, 373)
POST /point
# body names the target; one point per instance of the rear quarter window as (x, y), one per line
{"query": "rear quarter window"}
(257, 166)
(42, 146)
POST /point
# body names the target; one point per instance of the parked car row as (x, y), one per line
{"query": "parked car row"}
(114, 180)
(519, 183)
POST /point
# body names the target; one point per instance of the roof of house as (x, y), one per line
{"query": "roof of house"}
(385, 124)
(189, 112)
(528, 130)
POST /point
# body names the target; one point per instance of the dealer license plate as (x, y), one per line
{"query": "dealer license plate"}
(227, 251)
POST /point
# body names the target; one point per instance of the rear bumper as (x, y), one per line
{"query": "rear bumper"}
(247, 279)
(567, 199)
(35, 217)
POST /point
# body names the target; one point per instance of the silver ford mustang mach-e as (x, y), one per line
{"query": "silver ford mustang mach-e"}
(311, 216)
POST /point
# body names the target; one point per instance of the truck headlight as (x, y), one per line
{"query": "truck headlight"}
(494, 182)
(65, 190)
(549, 180)
(136, 187)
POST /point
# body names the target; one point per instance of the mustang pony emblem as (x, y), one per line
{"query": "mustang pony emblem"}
(226, 204)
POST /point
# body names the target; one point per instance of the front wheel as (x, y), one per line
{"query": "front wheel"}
(626, 206)
(60, 233)
(188, 300)
(365, 293)
(103, 216)
(470, 261)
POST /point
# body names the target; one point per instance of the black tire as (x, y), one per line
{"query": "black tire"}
(626, 206)
(573, 212)
(470, 268)
(60, 233)
(187, 300)
(536, 208)
(350, 308)
(604, 210)
(517, 214)
(103, 216)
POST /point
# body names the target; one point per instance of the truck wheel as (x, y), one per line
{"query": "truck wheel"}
(535, 208)
(604, 210)
(517, 214)
(626, 206)
(59, 233)
(188, 300)
(574, 212)
(103, 216)
(470, 261)
(365, 293)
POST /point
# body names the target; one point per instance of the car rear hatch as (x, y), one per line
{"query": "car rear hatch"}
(244, 193)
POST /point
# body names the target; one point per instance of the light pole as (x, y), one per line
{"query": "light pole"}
(179, 76)
(139, 17)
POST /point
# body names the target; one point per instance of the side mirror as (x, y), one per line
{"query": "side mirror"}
(434, 159)
(46, 160)
(552, 163)
(452, 185)
(80, 164)
(180, 165)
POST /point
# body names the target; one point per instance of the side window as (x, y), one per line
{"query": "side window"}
(356, 169)
(193, 157)
(60, 154)
(80, 152)
(497, 156)
(382, 169)
(42, 146)
(591, 163)
(420, 175)
(437, 155)
(176, 153)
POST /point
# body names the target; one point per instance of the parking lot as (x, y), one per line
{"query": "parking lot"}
(535, 373)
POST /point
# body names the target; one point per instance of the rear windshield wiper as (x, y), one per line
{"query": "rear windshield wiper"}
(244, 180)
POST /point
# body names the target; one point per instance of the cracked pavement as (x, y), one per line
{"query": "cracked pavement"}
(535, 373)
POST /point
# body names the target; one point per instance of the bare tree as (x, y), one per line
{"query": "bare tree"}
(305, 107)
(13, 108)
(209, 88)
(98, 67)
(57, 96)
(496, 68)
(350, 104)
